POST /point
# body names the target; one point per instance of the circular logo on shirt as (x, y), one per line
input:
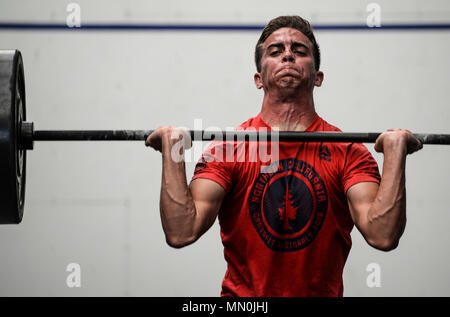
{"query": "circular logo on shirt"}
(288, 204)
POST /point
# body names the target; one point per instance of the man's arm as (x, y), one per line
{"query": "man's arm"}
(379, 211)
(186, 211)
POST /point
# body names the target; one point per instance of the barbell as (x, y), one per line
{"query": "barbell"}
(18, 135)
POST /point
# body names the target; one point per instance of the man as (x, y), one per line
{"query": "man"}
(286, 226)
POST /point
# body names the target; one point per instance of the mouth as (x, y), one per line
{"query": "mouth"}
(288, 71)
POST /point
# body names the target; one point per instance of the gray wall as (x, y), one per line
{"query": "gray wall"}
(96, 204)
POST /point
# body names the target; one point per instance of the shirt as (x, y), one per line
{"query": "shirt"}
(285, 223)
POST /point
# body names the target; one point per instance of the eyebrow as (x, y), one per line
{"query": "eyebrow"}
(295, 44)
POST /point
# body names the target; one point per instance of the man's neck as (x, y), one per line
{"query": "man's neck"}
(293, 113)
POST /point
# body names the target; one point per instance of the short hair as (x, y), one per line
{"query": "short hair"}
(287, 21)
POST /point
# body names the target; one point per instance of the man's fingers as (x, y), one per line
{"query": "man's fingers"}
(378, 144)
(154, 140)
(414, 144)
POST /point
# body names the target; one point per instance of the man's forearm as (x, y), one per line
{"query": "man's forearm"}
(176, 204)
(387, 215)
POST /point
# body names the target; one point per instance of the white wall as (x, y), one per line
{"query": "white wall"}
(96, 204)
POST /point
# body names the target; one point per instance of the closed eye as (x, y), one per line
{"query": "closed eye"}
(301, 53)
(300, 49)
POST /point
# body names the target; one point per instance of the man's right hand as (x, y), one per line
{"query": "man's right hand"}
(168, 135)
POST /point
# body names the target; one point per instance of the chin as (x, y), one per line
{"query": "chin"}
(289, 84)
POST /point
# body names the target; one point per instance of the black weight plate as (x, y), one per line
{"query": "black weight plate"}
(12, 158)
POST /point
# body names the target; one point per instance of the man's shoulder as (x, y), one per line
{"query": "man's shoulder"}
(253, 122)
(323, 125)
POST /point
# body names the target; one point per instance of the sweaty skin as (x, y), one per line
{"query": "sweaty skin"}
(288, 78)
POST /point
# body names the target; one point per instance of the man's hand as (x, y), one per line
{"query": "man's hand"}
(393, 139)
(168, 135)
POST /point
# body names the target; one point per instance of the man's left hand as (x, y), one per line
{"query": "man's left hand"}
(393, 138)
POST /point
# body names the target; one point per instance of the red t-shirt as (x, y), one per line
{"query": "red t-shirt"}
(285, 224)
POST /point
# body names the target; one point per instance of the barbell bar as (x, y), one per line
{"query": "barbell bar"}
(17, 136)
(28, 136)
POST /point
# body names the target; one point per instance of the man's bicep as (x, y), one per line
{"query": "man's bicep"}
(360, 198)
(208, 196)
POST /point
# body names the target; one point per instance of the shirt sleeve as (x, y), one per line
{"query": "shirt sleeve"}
(213, 165)
(360, 166)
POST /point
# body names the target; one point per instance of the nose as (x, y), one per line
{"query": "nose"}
(288, 56)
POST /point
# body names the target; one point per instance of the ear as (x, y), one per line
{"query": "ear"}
(319, 79)
(258, 80)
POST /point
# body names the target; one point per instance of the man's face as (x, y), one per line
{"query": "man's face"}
(287, 62)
